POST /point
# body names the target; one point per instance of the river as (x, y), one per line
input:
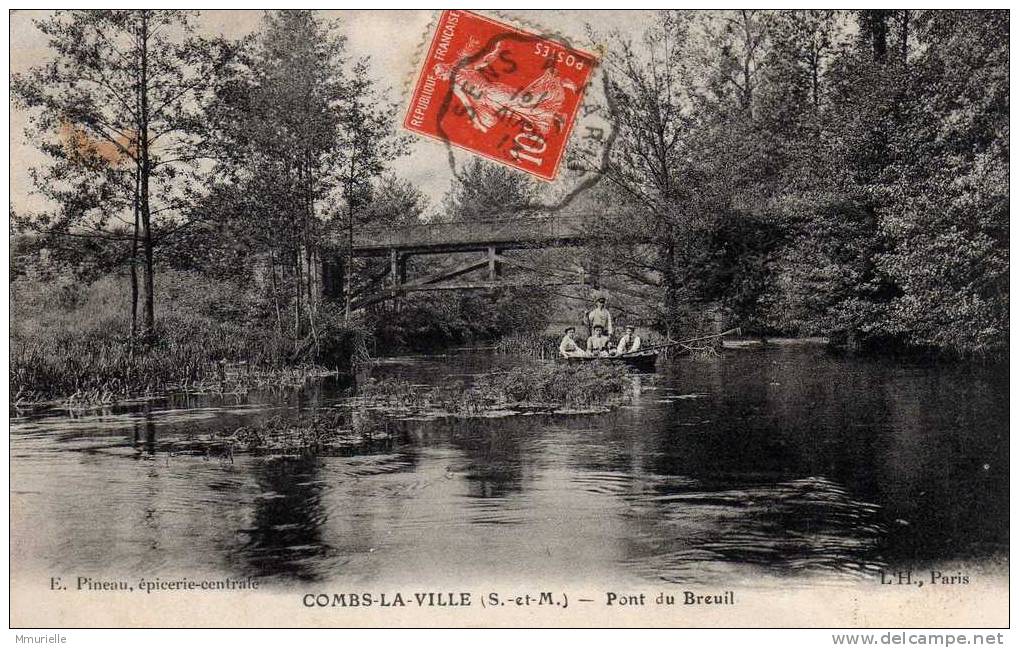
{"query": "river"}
(784, 465)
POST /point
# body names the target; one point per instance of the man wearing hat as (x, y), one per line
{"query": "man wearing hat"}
(629, 343)
(600, 316)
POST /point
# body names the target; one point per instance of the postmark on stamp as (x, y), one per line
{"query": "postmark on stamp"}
(501, 92)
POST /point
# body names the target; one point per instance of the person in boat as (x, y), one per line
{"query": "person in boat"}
(568, 347)
(629, 342)
(598, 342)
(599, 316)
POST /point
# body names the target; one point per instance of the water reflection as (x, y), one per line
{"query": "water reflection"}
(778, 464)
(144, 433)
(498, 457)
(287, 518)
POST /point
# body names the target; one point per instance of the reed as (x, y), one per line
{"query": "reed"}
(534, 384)
(571, 385)
(315, 433)
(533, 344)
(368, 422)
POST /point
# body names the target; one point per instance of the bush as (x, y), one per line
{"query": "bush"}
(426, 321)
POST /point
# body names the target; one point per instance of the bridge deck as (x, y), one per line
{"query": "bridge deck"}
(427, 238)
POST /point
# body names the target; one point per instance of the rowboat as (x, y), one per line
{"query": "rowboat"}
(645, 359)
(640, 360)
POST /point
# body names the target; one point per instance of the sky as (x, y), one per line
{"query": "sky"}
(394, 41)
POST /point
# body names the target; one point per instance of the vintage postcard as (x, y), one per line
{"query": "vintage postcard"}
(523, 318)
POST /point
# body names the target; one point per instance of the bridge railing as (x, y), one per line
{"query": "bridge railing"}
(521, 230)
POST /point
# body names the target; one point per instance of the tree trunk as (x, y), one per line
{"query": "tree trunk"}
(671, 287)
(309, 230)
(815, 80)
(148, 318)
(875, 22)
(298, 290)
(748, 76)
(350, 242)
(310, 247)
(275, 292)
(134, 263)
(904, 36)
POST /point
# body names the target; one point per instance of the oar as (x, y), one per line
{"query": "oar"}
(679, 342)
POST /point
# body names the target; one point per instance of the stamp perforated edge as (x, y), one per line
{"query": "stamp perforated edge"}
(413, 78)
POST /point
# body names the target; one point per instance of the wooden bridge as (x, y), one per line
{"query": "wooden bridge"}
(488, 238)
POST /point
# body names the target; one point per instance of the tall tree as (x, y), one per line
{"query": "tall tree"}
(301, 135)
(124, 88)
(484, 191)
(652, 100)
(394, 203)
(275, 132)
(862, 112)
(689, 160)
(736, 42)
(944, 201)
(804, 43)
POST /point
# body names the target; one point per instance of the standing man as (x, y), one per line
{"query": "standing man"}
(600, 316)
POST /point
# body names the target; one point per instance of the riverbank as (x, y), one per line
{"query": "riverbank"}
(72, 343)
(239, 381)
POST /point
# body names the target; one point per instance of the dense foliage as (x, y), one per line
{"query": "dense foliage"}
(234, 158)
(818, 172)
(118, 113)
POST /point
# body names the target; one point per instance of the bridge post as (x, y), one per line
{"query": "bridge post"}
(348, 285)
(493, 264)
(332, 278)
(593, 274)
(394, 270)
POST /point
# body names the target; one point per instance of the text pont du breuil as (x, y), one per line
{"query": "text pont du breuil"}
(493, 599)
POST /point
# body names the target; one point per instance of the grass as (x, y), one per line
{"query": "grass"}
(548, 386)
(398, 395)
(309, 434)
(72, 343)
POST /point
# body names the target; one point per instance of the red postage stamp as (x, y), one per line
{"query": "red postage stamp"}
(501, 92)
